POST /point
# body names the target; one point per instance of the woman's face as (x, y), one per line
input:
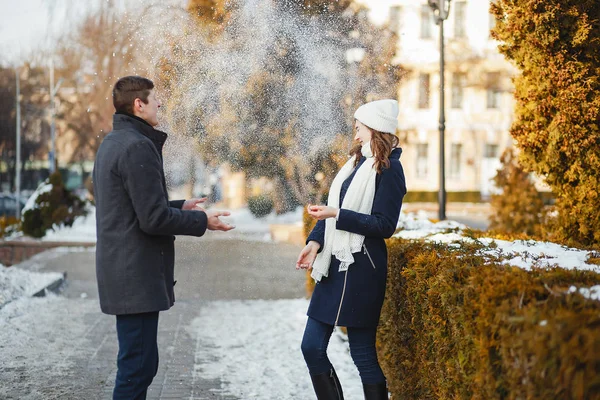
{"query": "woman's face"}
(363, 134)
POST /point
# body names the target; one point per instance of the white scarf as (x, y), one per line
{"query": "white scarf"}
(359, 198)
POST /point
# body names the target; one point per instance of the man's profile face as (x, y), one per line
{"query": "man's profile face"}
(149, 112)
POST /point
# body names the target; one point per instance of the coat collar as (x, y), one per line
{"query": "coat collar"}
(124, 120)
(395, 154)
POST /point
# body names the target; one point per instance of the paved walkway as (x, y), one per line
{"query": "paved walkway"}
(85, 343)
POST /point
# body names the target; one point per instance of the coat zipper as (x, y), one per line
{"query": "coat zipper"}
(342, 299)
(368, 255)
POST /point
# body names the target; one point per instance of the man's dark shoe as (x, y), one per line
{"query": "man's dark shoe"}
(327, 386)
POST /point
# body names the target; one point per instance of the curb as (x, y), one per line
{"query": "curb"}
(53, 287)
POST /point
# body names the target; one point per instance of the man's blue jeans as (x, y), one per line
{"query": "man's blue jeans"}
(137, 362)
(362, 350)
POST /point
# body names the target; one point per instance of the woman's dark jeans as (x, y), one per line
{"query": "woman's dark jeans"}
(362, 350)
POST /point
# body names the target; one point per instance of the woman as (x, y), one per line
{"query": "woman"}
(347, 252)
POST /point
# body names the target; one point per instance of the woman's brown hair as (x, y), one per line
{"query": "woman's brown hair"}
(382, 145)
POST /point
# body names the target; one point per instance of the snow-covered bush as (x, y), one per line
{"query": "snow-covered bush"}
(260, 206)
(53, 206)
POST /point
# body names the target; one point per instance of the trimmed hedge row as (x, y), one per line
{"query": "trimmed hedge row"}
(456, 325)
(459, 197)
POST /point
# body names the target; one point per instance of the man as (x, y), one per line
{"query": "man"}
(136, 224)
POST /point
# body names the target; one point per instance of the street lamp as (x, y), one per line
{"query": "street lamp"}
(18, 138)
(441, 9)
(53, 91)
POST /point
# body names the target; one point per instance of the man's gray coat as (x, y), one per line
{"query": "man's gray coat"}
(135, 221)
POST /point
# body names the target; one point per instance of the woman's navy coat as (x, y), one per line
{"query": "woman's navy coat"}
(354, 298)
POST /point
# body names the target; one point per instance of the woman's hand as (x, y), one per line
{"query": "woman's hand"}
(307, 255)
(322, 212)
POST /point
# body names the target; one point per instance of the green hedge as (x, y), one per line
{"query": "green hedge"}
(456, 325)
(432, 197)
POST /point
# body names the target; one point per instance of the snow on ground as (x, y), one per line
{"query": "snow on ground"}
(16, 283)
(40, 341)
(254, 348)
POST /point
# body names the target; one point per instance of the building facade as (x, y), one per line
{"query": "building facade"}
(478, 96)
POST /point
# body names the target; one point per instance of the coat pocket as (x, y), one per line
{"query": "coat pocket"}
(368, 255)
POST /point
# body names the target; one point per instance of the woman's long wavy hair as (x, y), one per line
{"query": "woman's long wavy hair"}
(382, 145)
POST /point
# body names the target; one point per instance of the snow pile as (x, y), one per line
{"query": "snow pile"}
(254, 348)
(16, 283)
(525, 254)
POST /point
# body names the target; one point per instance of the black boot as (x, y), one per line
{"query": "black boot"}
(327, 386)
(377, 391)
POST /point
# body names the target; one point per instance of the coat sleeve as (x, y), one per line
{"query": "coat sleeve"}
(386, 207)
(176, 203)
(318, 234)
(141, 171)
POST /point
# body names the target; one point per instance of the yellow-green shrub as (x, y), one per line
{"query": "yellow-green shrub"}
(8, 225)
(457, 325)
(555, 44)
(520, 207)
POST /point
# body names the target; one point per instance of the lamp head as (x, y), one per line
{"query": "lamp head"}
(440, 8)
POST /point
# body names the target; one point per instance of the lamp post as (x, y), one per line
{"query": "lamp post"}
(18, 139)
(441, 9)
(53, 91)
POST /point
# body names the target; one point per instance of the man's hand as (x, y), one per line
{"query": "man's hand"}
(215, 224)
(307, 255)
(322, 212)
(194, 204)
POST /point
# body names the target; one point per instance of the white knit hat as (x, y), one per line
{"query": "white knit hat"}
(380, 115)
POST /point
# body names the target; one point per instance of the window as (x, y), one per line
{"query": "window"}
(426, 22)
(455, 160)
(458, 84)
(395, 15)
(422, 160)
(491, 151)
(424, 91)
(460, 13)
(493, 90)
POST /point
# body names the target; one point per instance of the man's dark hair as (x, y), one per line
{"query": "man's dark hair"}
(129, 88)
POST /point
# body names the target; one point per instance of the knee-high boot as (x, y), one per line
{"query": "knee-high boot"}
(327, 386)
(376, 391)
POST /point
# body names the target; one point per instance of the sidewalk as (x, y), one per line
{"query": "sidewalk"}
(63, 347)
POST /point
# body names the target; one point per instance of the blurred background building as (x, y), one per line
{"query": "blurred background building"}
(479, 102)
